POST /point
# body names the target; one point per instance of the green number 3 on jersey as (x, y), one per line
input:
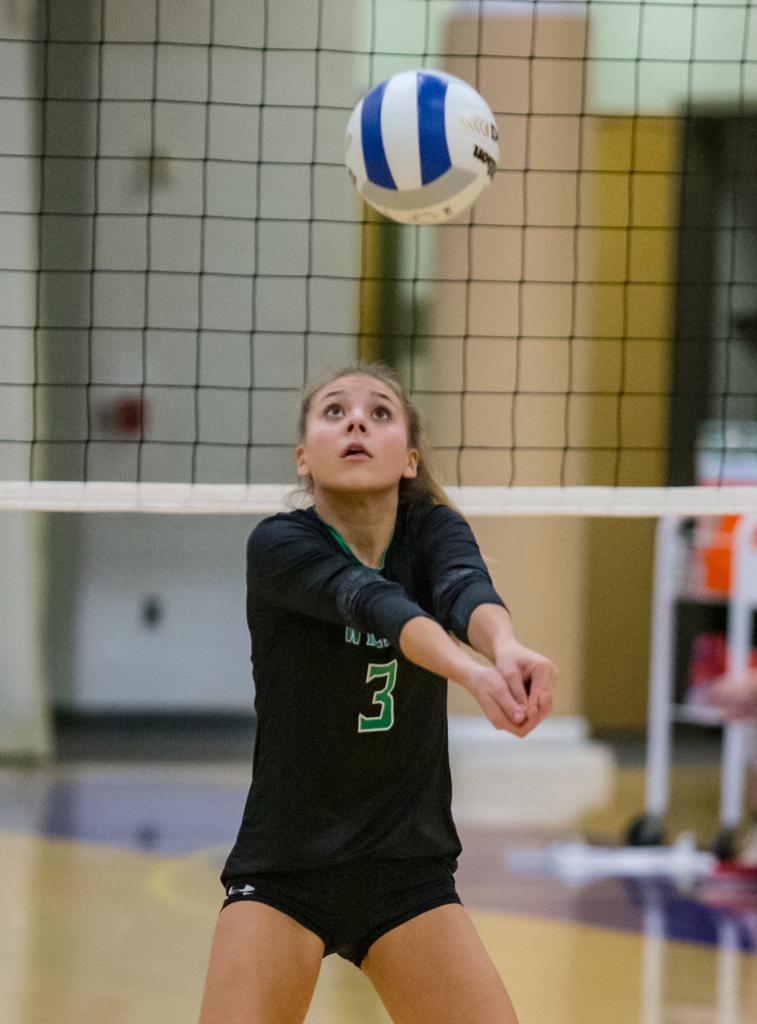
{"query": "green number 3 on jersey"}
(383, 698)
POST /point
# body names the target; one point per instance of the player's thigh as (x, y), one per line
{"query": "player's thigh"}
(263, 967)
(435, 968)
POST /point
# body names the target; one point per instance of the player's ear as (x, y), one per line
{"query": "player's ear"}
(301, 461)
(411, 468)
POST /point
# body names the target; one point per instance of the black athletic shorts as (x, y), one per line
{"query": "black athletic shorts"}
(350, 906)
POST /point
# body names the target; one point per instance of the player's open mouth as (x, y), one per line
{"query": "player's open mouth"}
(356, 453)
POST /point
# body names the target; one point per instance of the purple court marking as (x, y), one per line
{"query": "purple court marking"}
(165, 815)
(634, 905)
(170, 815)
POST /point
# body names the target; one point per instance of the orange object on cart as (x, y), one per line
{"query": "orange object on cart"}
(716, 557)
(714, 553)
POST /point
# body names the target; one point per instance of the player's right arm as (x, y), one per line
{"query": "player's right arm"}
(465, 602)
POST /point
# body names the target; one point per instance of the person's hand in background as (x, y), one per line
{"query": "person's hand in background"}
(735, 697)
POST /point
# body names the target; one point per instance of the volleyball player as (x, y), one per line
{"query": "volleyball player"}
(347, 843)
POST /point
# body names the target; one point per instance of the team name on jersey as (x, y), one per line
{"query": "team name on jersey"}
(354, 636)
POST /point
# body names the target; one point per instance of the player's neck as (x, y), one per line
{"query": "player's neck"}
(366, 522)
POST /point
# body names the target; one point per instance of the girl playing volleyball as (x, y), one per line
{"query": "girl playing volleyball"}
(347, 843)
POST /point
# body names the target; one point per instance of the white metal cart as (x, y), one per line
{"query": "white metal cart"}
(669, 568)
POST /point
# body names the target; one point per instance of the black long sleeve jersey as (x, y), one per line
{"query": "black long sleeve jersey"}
(350, 755)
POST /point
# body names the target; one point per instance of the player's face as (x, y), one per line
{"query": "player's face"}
(356, 437)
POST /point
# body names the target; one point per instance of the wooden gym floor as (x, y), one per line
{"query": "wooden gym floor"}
(109, 892)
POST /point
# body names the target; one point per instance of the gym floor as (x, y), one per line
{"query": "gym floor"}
(109, 892)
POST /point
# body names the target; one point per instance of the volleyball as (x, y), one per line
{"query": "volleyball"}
(421, 146)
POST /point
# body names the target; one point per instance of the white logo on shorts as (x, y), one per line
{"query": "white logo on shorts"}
(243, 890)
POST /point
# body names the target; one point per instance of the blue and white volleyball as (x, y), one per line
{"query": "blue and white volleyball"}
(421, 146)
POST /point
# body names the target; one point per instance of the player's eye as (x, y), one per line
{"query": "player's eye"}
(383, 412)
(330, 408)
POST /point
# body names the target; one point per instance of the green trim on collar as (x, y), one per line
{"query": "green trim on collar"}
(348, 550)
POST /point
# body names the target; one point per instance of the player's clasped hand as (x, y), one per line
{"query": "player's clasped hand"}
(516, 692)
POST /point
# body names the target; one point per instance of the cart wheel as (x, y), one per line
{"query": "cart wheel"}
(724, 846)
(646, 830)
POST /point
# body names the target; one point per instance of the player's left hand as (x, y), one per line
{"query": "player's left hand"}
(531, 680)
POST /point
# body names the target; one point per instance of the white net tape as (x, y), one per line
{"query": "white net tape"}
(265, 499)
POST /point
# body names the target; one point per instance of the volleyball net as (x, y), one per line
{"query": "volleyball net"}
(183, 250)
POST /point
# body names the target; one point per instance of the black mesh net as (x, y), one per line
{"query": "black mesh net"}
(183, 249)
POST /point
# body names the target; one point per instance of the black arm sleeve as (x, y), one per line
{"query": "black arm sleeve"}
(457, 573)
(292, 566)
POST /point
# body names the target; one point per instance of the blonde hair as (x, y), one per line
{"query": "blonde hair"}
(421, 488)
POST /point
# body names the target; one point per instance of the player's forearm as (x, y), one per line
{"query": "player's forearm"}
(426, 643)
(489, 627)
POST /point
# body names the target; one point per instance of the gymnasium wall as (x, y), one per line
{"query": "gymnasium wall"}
(561, 577)
(605, 293)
